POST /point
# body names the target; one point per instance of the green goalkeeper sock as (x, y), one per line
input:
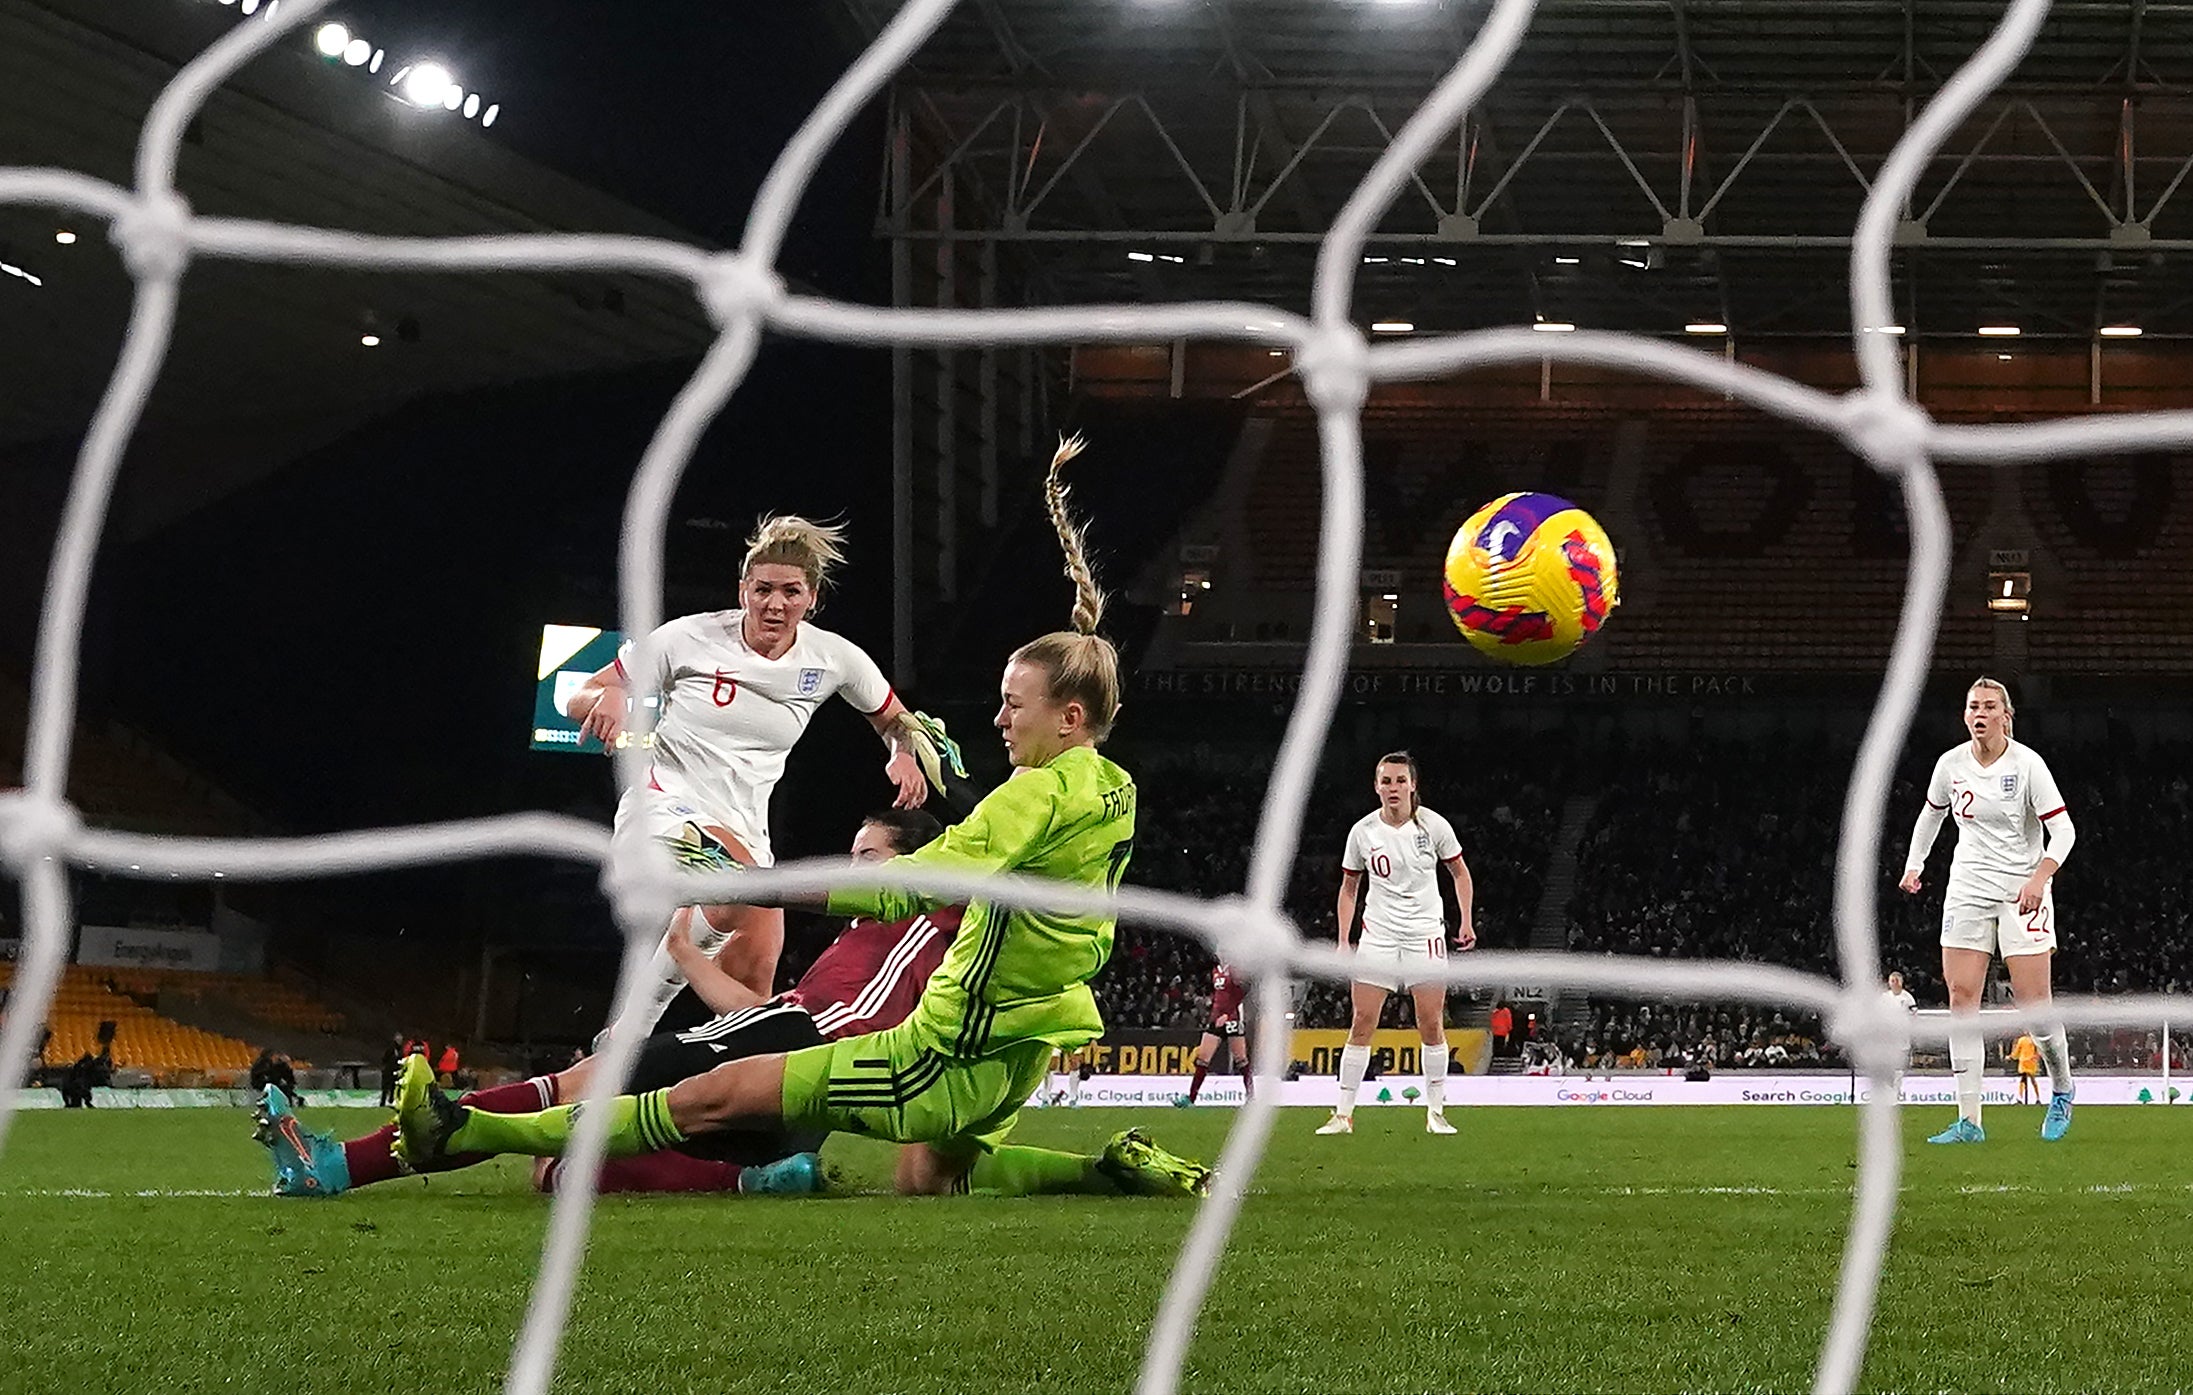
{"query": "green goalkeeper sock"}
(637, 1124)
(1039, 1172)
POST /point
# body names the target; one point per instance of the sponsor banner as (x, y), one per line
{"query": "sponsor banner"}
(1323, 1092)
(131, 948)
(1141, 1053)
(1172, 1052)
(1394, 1050)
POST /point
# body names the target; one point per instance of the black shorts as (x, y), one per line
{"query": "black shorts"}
(1226, 1027)
(763, 1030)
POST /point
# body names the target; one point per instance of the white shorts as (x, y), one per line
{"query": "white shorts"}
(1394, 964)
(695, 836)
(2001, 928)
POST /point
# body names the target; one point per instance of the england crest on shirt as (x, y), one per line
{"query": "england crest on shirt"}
(810, 681)
(1423, 841)
(2010, 786)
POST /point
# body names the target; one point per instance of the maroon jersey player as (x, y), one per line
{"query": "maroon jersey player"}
(866, 980)
(1228, 994)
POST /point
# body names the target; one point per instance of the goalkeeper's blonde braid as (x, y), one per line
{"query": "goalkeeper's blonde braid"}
(1089, 598)
(1083, 665)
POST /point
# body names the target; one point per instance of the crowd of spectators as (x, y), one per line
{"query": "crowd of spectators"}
(1197, 822)
(1696, 850)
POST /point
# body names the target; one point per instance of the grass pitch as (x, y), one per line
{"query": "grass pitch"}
(1541, 1250)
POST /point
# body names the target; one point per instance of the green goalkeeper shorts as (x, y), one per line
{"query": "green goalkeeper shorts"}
(890, 1085)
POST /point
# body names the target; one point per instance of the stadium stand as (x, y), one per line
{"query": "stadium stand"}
(168, 1051)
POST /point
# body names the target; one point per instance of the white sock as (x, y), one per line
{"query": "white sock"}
(668, 981)
(1355, 1061)
(1073, 1087)
(1966, 1058)
(1435, 1077)
(2056, 1055)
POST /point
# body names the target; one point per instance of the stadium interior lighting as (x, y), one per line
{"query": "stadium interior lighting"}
(2121, 331)
(1568, 261)
(452, 97)
(1393, 327)
(1885, 329)
(1446, 261)
(2004, 357)
(331, 40)
(249, 6)
(1142, 256)
(424, 84)
(487, 118)
(356, 52)
(11, 269)
(1554, 327)
(1999, 331)
(471, 105)
(1376, 261)
(1705, 327)
(371, 341)
(68, 239)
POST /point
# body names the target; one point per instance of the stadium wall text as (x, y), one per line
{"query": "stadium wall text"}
(1407, 684)
(129, 947)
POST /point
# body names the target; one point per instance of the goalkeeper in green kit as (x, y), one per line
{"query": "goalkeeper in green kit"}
(949, 1080)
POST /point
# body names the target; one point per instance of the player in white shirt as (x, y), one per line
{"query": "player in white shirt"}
(1401, 846)
(2013, 833)
(1901, 996)
(738, 688)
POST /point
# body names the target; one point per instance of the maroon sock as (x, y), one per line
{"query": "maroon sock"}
(1248, 1080)
(667, 1171)
(525, 1097)
(1195, 1085)
(372, 1158)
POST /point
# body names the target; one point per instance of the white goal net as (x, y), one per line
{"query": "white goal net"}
(159, 237)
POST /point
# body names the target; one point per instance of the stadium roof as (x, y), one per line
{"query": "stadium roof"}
(1642, 165)
(295, 139)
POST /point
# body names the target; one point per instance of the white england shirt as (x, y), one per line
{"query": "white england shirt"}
(1401, 872)
(1902, 998)
(730, 717)
(1999, 810)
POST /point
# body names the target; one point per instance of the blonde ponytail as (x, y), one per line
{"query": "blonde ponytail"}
(1083, 665)
(1073, 539)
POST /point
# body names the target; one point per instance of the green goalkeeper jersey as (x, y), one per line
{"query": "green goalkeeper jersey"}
(1021, 975)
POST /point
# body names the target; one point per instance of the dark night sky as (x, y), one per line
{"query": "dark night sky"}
(318, 594)
(677, 105)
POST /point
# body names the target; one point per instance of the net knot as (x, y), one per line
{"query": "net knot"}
(1254, 942)
(34, 828)
(736, 286)
(154, 237)
(1335, 367)
(1874, 1029)
(1887, 430)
